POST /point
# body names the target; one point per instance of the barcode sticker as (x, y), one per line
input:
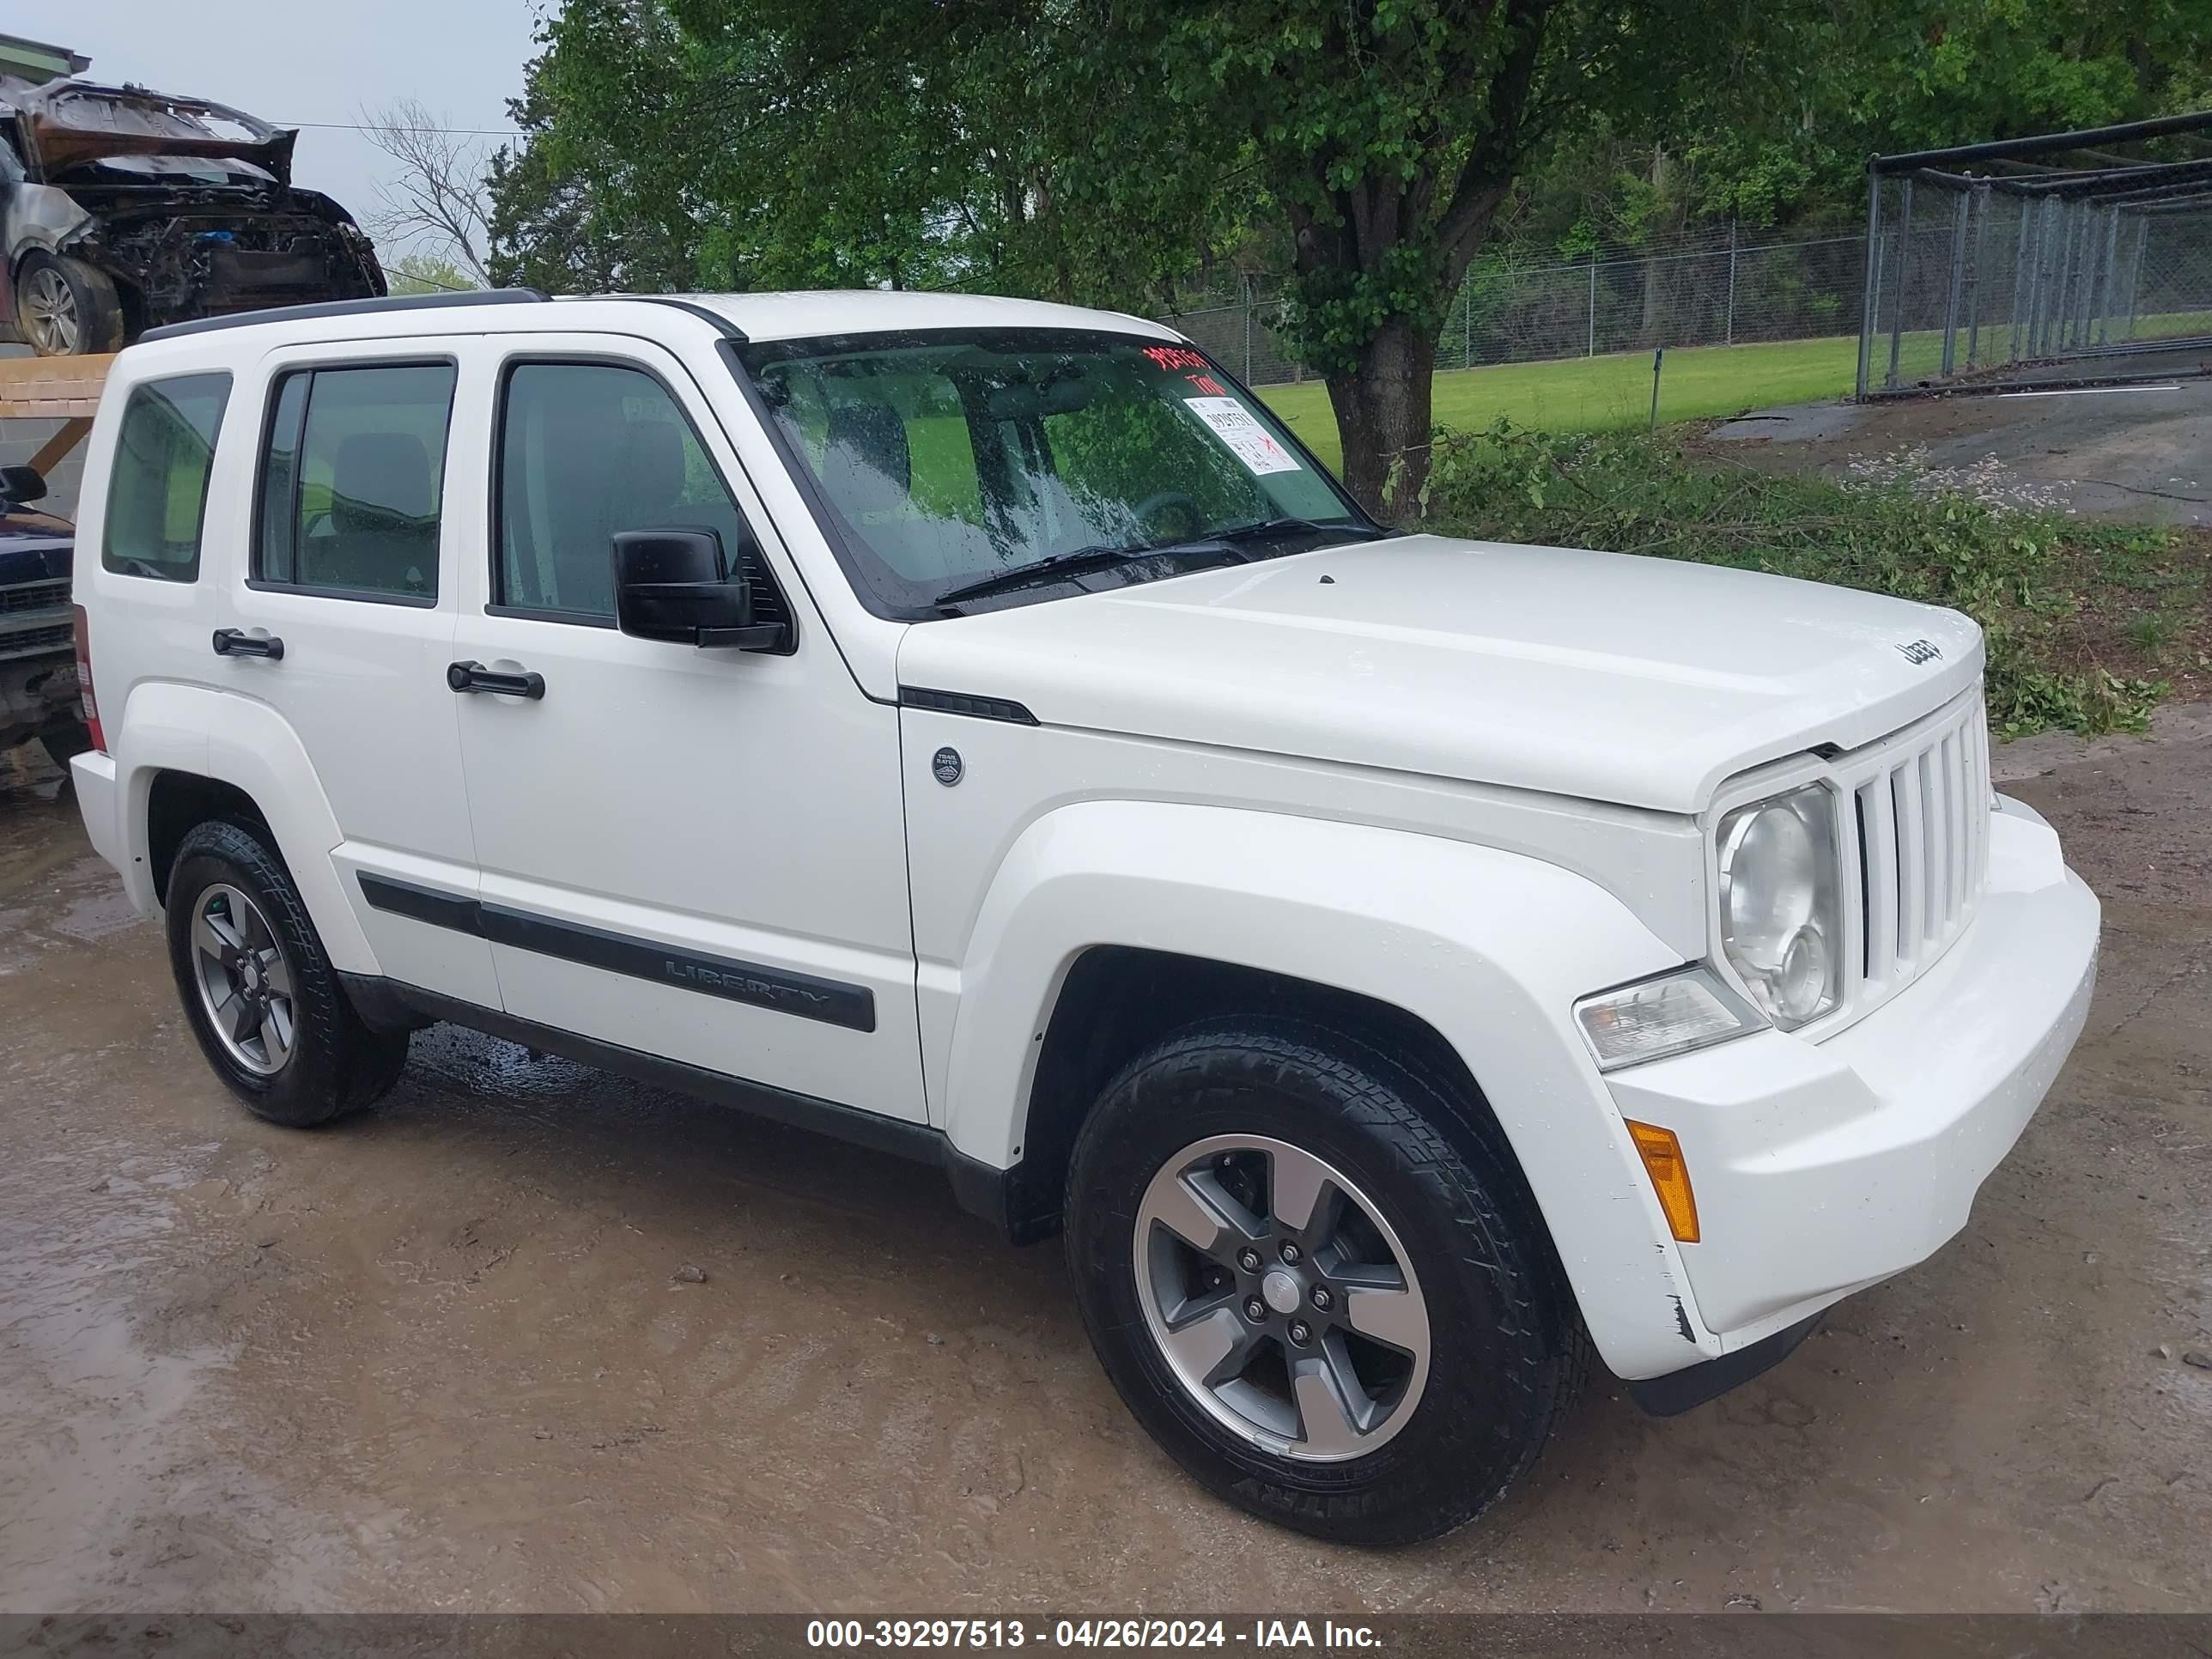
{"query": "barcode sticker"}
(1231, 423)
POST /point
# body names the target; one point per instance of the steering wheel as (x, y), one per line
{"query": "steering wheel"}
(1171, 501)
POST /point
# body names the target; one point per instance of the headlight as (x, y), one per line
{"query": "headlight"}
(1781, 907)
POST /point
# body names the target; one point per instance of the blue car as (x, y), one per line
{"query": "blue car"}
(39, 692)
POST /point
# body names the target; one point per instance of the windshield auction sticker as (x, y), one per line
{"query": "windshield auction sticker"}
(1232, 423)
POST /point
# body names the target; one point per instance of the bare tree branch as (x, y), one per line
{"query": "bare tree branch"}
(437, 193)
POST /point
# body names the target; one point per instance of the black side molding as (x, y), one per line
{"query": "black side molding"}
(832, 1001)
(980, 1189)
(1693, 1386)
(961, 702)
(405, 898)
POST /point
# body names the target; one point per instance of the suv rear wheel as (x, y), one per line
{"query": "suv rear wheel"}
(262, 997)
(65, 307)
(1329, 1301)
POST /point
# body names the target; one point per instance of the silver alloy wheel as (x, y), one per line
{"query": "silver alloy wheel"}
(49, 312)
(1281, 1298)
(245, 983)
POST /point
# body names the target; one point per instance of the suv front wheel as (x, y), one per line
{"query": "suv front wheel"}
(262, 997)
(1316, 1283)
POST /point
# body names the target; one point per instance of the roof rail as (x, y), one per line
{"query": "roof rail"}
(713, 319)
(474, 297)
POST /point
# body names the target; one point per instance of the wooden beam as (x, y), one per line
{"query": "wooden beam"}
(55, 449)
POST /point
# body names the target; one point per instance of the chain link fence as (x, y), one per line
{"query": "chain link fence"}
(2048, 270)
(1970, 277)
(1720, 288)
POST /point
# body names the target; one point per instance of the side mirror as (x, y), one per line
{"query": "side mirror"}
(18, 484)
(668, 584)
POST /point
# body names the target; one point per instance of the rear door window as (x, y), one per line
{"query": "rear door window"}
(157, 490)
(354, 481)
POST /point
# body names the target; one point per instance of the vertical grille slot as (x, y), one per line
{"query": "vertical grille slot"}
(1962, 802)
(1934, 830)
(1912, 872)
(1877, 827)
(1980, 804)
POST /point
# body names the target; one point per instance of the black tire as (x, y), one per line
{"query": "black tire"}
(65, 739)
(96, 320)
(1507, 1350)
(337, 1065)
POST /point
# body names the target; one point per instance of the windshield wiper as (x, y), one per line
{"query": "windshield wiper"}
(1105, 557)
(1102, 557)
(1352, 529)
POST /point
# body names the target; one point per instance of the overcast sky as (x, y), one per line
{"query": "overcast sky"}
(294, 62)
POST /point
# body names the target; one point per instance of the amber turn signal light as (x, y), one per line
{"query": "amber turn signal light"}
(1670, 1177)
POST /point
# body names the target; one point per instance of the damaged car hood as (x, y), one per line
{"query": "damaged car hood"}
(67, 124)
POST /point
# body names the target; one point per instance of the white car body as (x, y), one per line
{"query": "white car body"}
(1475, 783)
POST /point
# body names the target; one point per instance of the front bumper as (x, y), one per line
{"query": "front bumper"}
(1820, 1167)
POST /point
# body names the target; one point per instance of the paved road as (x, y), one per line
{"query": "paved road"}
(2135, 453)
(437, 1358)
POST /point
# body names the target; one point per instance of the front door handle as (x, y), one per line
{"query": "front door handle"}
(236, 642)
(475, 676)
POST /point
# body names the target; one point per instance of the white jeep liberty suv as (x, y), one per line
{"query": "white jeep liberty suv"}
(978, 729)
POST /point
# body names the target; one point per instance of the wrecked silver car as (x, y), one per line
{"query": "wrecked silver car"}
(121, 208)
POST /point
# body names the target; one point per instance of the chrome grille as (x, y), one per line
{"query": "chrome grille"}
(35, 595)
(37, 641)
(1922, 820)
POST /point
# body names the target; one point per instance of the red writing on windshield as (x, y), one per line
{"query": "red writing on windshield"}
(1208, 385)
(1173, 357)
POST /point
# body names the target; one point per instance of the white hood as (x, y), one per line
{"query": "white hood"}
(1639, 681)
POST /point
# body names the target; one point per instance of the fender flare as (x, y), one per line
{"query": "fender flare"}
(1490, 949)
(169, 727)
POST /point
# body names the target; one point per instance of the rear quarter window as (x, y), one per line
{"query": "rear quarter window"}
(157, 487)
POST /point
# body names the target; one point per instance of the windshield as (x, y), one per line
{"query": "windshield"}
(950, 458)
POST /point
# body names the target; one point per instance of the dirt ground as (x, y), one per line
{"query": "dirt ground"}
(438, 1359)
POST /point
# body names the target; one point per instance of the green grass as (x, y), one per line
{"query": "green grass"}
(1609, 393)
(1601, 394)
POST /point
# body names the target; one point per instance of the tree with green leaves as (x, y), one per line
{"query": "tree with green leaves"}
(1876, 78)
(563, 216)
(426, 273)
(1389, 134)
(1105, 152)
(1095, 151)
(861, 142)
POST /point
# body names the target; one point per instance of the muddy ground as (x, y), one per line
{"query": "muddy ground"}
(438, 1359)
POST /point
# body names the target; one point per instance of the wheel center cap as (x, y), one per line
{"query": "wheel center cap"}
(1280, 1291)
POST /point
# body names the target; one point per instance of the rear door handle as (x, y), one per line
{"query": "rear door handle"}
(236, 642)
(475, 676)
